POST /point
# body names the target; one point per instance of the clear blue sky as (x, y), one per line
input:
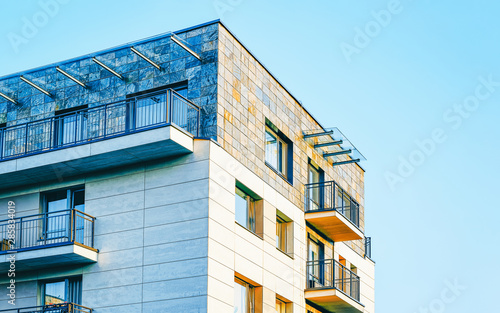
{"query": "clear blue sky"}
(386, 90)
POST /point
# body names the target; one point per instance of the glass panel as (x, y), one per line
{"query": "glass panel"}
(55, 293)
(281, 158)
(245, 210)
(75, 291)
(251, 214)
(151, 110)
(68, 130)
(79, 220)
(79, 200)
(56, 222)
(280, 306)
(313, 250)
(281, 234)
(240, 298)
(271, 150)
(314, 254)
(314, 190)
(241, 209)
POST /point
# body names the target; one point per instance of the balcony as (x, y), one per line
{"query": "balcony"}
(53, 308)
(47, 240)
(146, 127)
(332, 211)
(333, 287)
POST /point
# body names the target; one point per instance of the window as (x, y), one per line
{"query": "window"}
(245, 210)
(315, 267)
(284, 233)
(278, 151)
(61, 291)
(70, 126)
(56, 206)
(244, 297)
(280, 306)
(316, 188)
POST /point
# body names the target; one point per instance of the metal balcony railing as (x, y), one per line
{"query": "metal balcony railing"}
(53, 308)
(368, 247)
(329, 195)
(325, 274)
(97, 123)
(47, 229)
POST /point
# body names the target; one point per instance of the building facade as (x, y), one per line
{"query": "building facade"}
(175, 174)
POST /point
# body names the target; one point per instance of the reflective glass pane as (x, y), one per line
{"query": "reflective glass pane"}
(240, 298)
(241, 208)
(55, 293)
(271, 150)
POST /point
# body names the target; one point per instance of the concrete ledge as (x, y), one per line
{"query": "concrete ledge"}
(334, 225)
(143, 146)
(48, 257)
(333, 300)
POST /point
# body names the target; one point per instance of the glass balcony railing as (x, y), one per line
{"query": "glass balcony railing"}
(52, 308)
(102, 122)
(327, 274)
(327, 196)
(47, 229)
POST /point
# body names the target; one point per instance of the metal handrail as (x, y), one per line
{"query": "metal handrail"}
(46, 229)
(118, 118)
(53, 308)
(330, 273)
(329, 196)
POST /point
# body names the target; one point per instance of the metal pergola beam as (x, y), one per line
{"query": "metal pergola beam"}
(327, 144)
(35, 86)
(145, 58)
(318, 134)
(337, 153)
(8, 98)
(71, 77)
(346, 162)
(183, 46)
(107, 68)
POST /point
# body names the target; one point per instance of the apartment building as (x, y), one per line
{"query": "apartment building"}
(175, 174)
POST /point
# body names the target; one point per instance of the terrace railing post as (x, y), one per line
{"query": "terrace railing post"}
(20, 233)
(72, 226)
(92, 234)
(26, 139)
(198, 126)
(333, 195)
(170, 106)
(105, 120)
(46, 227)
(1, 143)
(350, 286)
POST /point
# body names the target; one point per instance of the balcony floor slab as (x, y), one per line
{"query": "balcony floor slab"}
(163, 142)
(47, 257)
(333, 300)
(334, 225)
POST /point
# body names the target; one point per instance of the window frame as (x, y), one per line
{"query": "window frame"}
(281, 234)
(76, 280)
(250, 222)
(284, 152)
(283, 306)
(70, 205)
(65, 124)
(284, 234)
